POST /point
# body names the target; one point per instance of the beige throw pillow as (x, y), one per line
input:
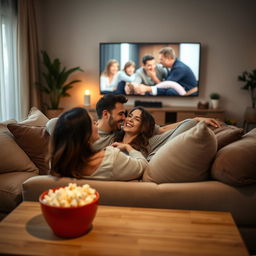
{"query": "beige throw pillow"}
(227, 134)
(235, 164)
(186, 158)
(35, 117)
(51, 125)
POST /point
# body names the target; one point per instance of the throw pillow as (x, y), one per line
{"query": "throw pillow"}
(227, 134)
(186, 158)
(235, 164)
(35, 117)
(12, 157)
(51, 125)
(34, 141)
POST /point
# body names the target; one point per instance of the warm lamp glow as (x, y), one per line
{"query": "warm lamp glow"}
(87, 98)
(87, 92)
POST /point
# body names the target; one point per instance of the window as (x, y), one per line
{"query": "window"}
(9, 90)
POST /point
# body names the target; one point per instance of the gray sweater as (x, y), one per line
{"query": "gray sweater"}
(117, 165)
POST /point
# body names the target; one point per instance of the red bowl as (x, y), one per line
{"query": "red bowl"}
(69, 221)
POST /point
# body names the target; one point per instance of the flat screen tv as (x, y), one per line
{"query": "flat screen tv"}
(152, 69)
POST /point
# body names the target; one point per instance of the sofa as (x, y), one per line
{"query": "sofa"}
(223, 180)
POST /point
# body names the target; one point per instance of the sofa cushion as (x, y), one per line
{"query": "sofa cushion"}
(11, 188)
(235, 164)
(227, 134)
(34, 141)
(12, 157)
(186, 158)
(51, 125)
(35, 117)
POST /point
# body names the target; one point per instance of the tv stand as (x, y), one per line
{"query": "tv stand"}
(148, 104)
(168, 115)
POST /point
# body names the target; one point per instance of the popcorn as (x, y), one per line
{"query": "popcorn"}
(70, 196)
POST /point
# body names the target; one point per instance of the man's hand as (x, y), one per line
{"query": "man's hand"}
(211, 121)
(129, 88)
(142, 89)
(152, 74)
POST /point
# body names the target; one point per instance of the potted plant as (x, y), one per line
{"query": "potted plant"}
(56, 84)
(249, 78)
(215, 97)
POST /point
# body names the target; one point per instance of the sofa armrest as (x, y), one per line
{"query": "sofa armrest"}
(132, 193)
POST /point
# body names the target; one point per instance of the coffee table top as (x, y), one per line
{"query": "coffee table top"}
(125, 231)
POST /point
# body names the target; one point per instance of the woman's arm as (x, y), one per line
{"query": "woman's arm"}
(210, 121)
(128, 167)
(123, 146)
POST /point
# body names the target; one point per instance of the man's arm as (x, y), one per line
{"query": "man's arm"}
(189, 92)
(210, 121)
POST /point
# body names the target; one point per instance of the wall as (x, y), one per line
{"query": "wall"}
(72, 30)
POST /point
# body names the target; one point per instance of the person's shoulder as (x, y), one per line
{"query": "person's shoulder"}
(103, 77)
(179, 64)
(139, 70)
(103, 133)
(160, 67)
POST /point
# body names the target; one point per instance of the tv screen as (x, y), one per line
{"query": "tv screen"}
(152, 69)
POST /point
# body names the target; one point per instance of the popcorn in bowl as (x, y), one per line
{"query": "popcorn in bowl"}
(70, 196)
(69, 210)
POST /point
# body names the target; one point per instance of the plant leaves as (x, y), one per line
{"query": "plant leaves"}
(55, 78)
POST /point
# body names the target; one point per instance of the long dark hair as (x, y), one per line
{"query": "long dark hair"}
(140, 142)
(69, 147)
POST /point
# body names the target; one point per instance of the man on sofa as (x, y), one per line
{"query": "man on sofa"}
(111, 115)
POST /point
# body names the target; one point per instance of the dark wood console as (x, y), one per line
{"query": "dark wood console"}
(166, 115)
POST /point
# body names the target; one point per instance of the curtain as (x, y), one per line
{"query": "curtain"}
(28, 56)
(19, 59)
(134, 54)
(9, 88)
(108, 52)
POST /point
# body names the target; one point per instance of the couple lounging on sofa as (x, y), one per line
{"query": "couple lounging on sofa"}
(222, 181)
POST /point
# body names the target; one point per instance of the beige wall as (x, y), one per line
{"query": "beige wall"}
(72, 30)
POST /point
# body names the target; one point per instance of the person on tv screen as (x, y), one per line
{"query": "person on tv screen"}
(124, 76)
(150, 73)
(108, 79)
(180, 79)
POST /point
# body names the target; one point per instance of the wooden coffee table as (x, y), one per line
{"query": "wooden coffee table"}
(124, 231)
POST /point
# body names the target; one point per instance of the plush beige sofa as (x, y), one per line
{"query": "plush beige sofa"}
(205, 195)
(230, 185)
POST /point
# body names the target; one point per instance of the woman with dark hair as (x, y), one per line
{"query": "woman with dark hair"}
(139, 126)
(71, 153)
(140, 132)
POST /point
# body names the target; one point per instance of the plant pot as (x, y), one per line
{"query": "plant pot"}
(250, 115)
(215, 104)
(51, 113)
